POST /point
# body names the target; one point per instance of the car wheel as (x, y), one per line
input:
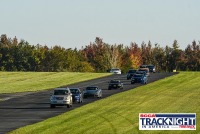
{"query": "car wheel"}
(52, 106)
(68, 105)
(99, 96)
(80, 101)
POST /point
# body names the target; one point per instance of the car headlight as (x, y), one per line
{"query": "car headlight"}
(96, 92)
(53, 98)
(65, 98)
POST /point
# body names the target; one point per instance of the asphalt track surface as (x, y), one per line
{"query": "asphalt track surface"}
(21, 109)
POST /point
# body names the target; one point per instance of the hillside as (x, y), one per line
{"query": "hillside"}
(12, 82)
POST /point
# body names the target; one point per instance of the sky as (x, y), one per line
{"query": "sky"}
(76, 23)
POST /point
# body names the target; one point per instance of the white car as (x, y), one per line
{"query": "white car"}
(115, 71)
(61, 97)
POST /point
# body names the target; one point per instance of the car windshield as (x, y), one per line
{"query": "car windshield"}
(143, 66)
(91, 88)
(138, 75)
(143, 70)
(114, 81)
(115, 69)
(151, 67)
(74, 90)
(132, 71)
(60, 92)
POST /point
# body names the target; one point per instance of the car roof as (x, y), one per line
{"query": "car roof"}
(138, 74)
(115, 69)
(74, 88)
(143, 65)
(61, 89)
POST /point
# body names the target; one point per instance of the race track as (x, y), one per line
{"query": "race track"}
(21, 109)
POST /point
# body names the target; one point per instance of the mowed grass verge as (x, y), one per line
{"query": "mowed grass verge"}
(118, 114)
(12, 82)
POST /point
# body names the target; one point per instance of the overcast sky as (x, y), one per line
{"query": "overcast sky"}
(76, 23)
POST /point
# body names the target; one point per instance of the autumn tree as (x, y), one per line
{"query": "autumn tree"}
(135, 55)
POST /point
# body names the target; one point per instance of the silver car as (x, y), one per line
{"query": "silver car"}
(93, 91)
(61, 97)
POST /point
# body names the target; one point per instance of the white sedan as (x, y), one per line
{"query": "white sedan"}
(115, 71)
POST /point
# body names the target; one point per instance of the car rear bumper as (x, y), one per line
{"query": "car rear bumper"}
(60, 103)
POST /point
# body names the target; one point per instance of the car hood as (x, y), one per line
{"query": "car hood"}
(60, 95)
(137, 78)
(75, 94)
(90, 91)
(114, 83)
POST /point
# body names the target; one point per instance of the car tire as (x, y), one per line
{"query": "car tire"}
(80, 101)
(100, 96)
(52, 106)
(68, 105)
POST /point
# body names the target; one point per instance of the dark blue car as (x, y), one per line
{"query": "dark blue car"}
(130, 73)
(77, 95)
(139, 78)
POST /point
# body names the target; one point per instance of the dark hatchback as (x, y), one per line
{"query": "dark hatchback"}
(130, 73)
(115, 84)
(139, 78)
(152, 68)
(77, 95)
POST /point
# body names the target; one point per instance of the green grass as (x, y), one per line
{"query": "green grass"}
(118, 114)
(11, 82)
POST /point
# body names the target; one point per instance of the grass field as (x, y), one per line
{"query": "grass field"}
(11, 82)
(118, 114)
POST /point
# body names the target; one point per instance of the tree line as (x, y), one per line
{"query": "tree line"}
(96, 57)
